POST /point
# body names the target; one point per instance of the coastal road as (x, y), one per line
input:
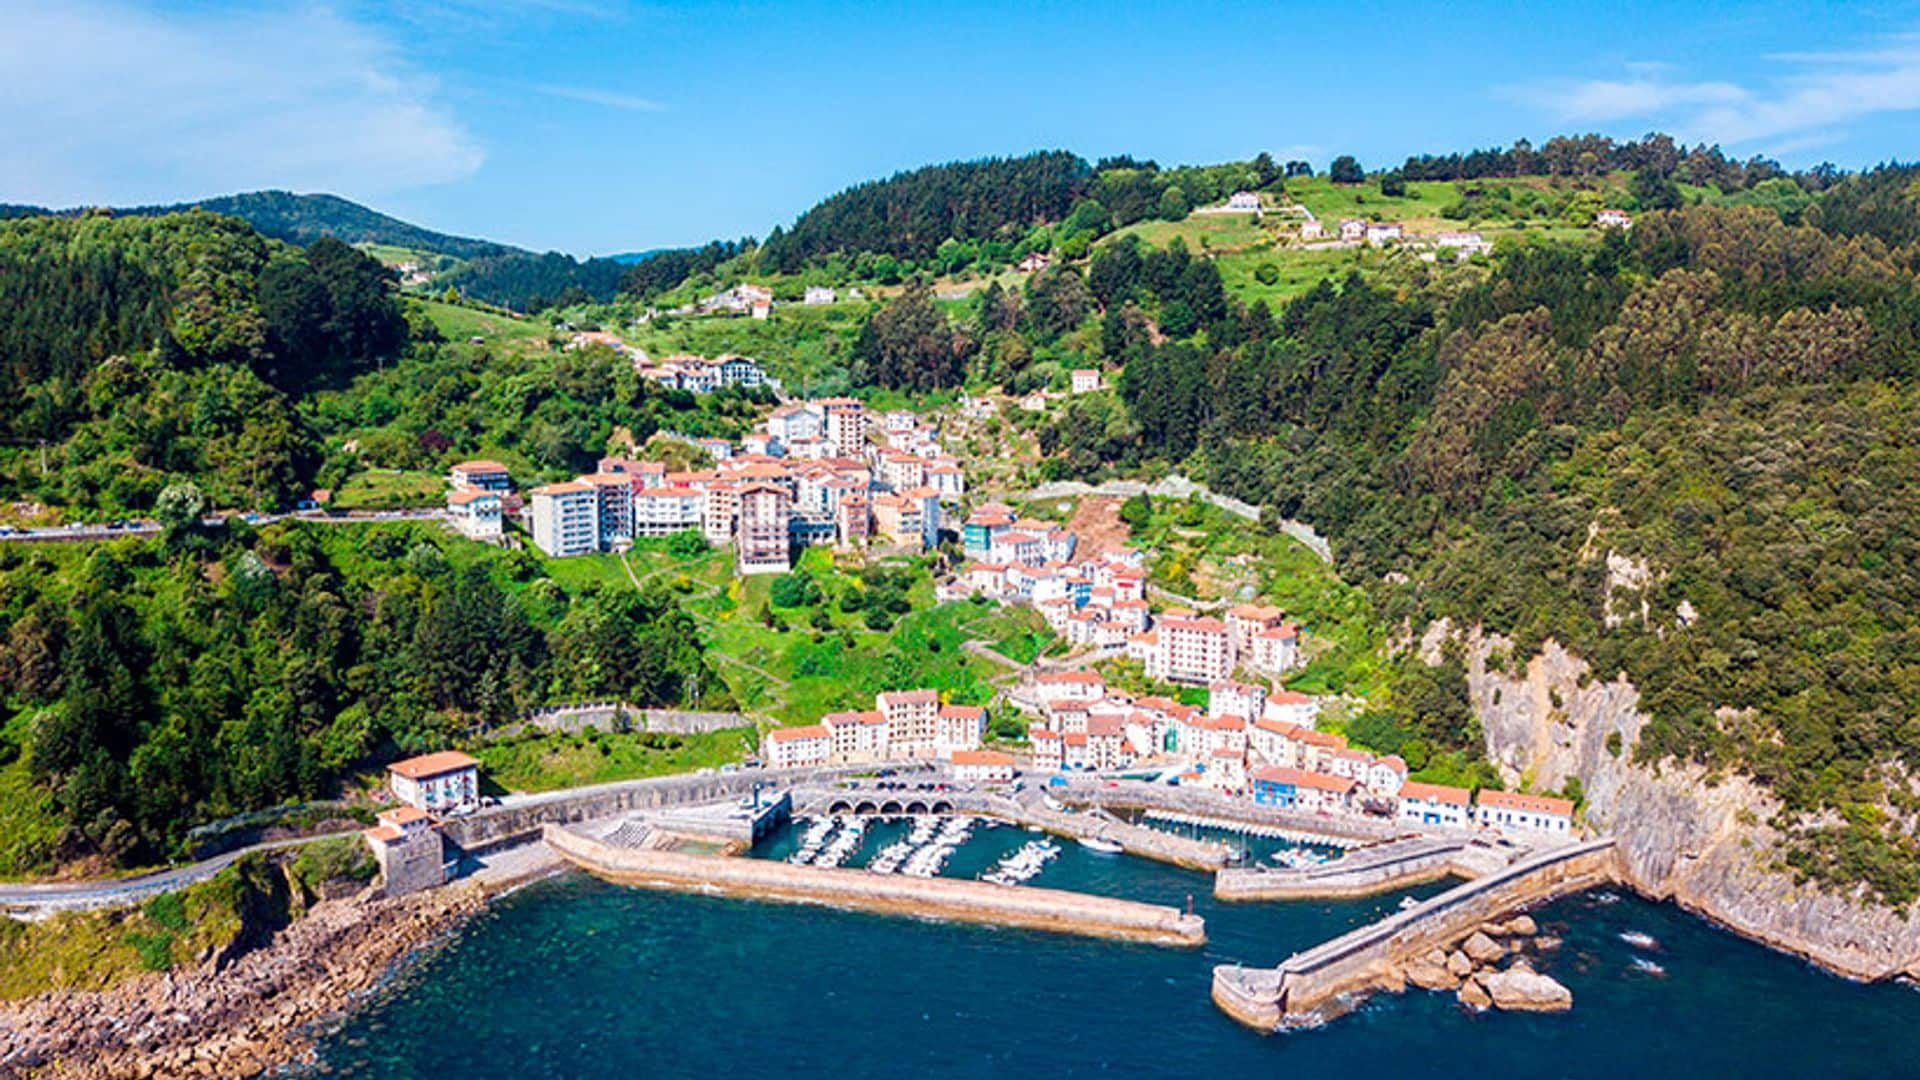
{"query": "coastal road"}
(49, 897)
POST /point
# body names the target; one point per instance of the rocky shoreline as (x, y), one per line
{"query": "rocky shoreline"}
(261, 1010)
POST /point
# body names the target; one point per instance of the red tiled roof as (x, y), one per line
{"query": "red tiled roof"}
(1414, 789)
(1517, 800)
(434, 764)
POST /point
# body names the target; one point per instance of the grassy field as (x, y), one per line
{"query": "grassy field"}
(390, 489)
(460, 323)
(546, 762)
(802, 346)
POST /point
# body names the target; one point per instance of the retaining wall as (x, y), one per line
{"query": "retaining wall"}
(1370, 958)
(524, 816)
(1210, 804)
(949, 898)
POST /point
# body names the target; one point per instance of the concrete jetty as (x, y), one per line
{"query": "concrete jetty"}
(945, 898)
(1311, 983)
(1396, 864)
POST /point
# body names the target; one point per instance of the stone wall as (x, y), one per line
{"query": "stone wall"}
(950, 898)
(1187, 800)
(1395, 865)
(620, 716)
(524, 816)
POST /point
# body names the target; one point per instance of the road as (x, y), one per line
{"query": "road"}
(48, 897)
(79, 532)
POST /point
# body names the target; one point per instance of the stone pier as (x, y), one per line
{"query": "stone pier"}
(945, 898)
(1396, 864)
(1311, 983)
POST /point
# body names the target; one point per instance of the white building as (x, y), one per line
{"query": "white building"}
(487, 475)
(1531, 813)
(1435, 804)
(1382, 233)
(475, 512)
(1085, 380)
(1613, 219)
(1190, 650)
(566, 519)
(798, 747)
(1243, 200)
(818, 294)
(982, 766)
(446, 782)
(665, 511)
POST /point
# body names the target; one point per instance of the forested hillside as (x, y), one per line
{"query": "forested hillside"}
(302, 219)
(144, 350)
(1719, 402)
(155, 685)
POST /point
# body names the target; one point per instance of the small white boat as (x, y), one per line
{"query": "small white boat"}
(1408, 902)
(1101, 844)
(1643, 964)
(1639, 940)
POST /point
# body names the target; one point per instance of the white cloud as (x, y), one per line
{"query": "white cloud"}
(609, 98)
(1797, 108)
(104, 103)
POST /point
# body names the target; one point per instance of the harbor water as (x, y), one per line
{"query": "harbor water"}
(573, 977)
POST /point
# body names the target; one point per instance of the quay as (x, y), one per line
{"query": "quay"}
(1023, 907)
(1309, 984)
(1396, 864)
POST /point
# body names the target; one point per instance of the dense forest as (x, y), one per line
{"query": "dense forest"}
(145, 350)
(157, 684)
(526, 282)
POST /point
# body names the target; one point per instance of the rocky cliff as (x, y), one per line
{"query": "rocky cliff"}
(1683, 836)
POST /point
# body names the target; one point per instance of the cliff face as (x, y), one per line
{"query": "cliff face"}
(1703, 845)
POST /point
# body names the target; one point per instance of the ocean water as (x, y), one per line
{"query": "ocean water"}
(573, 977)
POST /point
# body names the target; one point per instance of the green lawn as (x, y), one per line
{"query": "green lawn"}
(807, 348)
(460, 323)
(390, 489)
(546, 762)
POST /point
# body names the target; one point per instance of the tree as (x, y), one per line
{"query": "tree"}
(1173, 204)
(180, 508)
(1393, 185)
(1346, 170)
(1137, 511)
(910, 344)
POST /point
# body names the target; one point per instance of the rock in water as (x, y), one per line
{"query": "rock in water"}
(1518, 926)
(1522, 989)
(1482, 949)
(1474, 996)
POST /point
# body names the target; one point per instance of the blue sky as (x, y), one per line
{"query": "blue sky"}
(596, 126)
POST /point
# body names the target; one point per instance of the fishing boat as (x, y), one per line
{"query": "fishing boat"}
(1101, 844)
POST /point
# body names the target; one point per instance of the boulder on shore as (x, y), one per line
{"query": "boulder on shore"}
(1518, 926)
(1522, 989)
(1458, 965)
(1474, 996)
(1482, 949)
(1429, 976)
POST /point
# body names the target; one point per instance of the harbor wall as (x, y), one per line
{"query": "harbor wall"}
(948, 898)
(1397, 864)
(523, 818)
(1370, 957)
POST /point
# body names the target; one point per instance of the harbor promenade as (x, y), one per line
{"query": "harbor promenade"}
(1024, 907)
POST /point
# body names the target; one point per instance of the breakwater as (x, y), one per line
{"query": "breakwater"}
(1396, 864)
(946, 898)
(1372, 957)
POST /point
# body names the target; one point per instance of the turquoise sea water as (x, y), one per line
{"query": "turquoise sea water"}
(572, 977)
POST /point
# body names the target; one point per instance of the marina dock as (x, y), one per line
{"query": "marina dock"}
(1024, 907)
